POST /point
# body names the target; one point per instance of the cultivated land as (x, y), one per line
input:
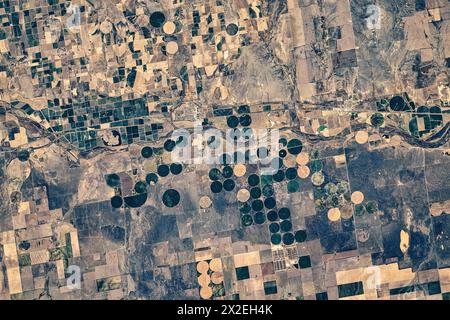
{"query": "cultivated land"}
(357, 204)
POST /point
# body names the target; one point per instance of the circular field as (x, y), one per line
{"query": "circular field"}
(171, 198)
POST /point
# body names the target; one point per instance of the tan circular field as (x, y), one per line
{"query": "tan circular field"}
(215, 265)
(143, 20)
(357, 197)
(290, 161)
(317, 178)
(334, 214)
(243, 195)
(204, 279)
(206, 292)
(202, 267)
(106, 27)
(240, 170)
(396, 140)
(171, 47)
(303, 172)
(205, 202)
(362, 137)
(346, 212)
(169, 27)
(217, 277)
(302, 158)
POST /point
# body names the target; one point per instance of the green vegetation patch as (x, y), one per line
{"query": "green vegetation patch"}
(157, 19)
(242, 273)
(253, 180)
(270, 287)
(147, 152)
(293, 186)
(140, 187)
(68, 245)
(113, 180)
(232, 29)
(272, 215)
(171, 198)
(116, 202)
(288, 238)
(371, 207)
(350, 289)
(360, 209)
(275, 239)
(274, 227)
(214, 174)
(107, 284)
(247, 220)
(24, 260)
(377, 120)
(284, 213)
(136, 201)
(229, 185)
(216, 187)
(232, 121)
(259, 217)
(397, 103)
(294, 146)
(267, 189)
(304, 262)
(257, 205)
(151, 178)
(23, 155)
(300, 236)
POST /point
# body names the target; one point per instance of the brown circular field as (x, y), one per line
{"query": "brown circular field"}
(303, 172)
(240, 170)
(290, 161)
(346, 212)
(202, 267)
(142, 20)
(217, 277)
(169, 27)
(204, 279)
(171, 47)
(205, 202)
(215, 265)
(243, 195)
(357, 197)
(362, 137)
(206, 292)
(317, 178)
(396, 140)
(106, 27)
(302, 158)
(334, 214)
